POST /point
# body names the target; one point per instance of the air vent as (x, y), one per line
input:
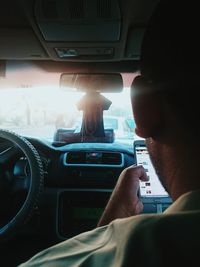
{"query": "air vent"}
(104, 9)
(112, 158)
(75, 158)
(49, 9)
(94, 158)
(76, 9)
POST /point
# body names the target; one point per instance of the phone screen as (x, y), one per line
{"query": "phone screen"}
(153, 187)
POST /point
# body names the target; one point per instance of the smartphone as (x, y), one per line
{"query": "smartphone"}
(153, 187)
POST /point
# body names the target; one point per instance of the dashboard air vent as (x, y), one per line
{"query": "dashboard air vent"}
(112, 158)
(94, 158)
(75, 158)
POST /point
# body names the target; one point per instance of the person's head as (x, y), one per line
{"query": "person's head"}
(165, 99)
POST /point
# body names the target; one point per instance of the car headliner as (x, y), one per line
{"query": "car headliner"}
(21, 38)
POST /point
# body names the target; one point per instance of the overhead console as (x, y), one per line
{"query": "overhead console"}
(74, 30)
(89, 30)
(79, 20)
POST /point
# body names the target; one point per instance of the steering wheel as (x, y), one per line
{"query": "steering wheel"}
(12, 148)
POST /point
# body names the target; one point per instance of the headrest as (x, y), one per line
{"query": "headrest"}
(171, 46)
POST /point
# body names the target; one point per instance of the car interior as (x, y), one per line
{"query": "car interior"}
(66, 123)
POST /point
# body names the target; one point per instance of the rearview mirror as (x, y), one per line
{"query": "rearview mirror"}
(97, 82)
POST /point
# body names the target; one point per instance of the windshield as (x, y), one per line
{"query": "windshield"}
(39, 111)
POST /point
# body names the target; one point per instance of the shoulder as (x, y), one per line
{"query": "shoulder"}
(158, 240)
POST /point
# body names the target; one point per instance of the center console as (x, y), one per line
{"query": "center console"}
(80, 210)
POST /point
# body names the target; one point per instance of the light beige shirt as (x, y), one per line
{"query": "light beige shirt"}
(144, 240)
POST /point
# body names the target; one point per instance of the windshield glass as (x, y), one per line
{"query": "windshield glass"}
(39, 111)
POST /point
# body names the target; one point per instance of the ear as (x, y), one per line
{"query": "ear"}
(147, 112)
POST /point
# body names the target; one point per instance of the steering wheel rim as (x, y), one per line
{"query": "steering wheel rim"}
(35, 188)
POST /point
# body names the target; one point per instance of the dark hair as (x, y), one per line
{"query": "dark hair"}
(170, 54)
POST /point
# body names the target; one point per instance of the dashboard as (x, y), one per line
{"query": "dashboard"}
(79, 179)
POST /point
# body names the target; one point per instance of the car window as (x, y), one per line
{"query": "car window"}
(111, 123)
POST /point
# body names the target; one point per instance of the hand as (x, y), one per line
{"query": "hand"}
(124, 201)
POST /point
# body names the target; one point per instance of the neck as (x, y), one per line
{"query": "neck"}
(179, 185)
(181, 174)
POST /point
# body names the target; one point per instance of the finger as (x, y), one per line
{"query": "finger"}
(144, 177)
(139, 208)
(138, 172)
